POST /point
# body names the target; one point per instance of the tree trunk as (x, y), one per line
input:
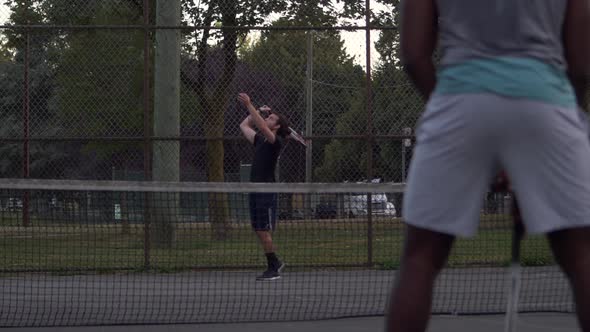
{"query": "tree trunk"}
(218, 203)
(214, 104)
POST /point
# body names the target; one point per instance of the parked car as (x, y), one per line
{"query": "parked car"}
(356, 205)
(326, 211)
(14, 204)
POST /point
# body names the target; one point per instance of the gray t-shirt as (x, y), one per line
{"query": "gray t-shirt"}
(471, 29)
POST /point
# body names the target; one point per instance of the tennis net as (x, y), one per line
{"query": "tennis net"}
(122, 252)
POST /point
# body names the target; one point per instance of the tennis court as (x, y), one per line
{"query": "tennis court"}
(439, 323)
(181, 299)
(237, 297)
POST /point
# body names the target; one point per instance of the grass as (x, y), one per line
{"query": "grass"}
(68, 248)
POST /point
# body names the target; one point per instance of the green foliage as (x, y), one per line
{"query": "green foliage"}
(396, 105)
(99, 82)
(93, 78)
(387, 44)
(338, 90)
(82, 82)
(97, 85)
(345, 159)
(5, 53)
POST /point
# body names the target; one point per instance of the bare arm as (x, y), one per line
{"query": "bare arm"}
(256, 118)
(418, 40)
(247, 130)
(576, 40)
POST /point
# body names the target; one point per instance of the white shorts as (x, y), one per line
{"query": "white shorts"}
(463, 140)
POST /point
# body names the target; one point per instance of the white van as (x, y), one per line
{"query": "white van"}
(356, 205)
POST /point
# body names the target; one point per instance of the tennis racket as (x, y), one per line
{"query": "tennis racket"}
(265, 110)
(296, 136)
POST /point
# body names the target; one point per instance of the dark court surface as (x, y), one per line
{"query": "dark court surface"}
(539, 322)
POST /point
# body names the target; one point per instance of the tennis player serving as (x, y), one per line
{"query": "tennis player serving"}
(507, 95)
(268, 143)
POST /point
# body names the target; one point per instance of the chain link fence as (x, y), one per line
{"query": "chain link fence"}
(85, 88)
(147, 90)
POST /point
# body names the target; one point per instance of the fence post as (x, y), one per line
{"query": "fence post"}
(147, 162)
(370, 136)
(26, 120)
(309, 118)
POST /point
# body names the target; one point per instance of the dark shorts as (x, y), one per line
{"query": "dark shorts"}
(263, 211)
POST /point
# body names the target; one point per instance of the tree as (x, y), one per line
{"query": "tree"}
(47, 159)
(82, 73)
(84, 80)
(388, 44)
(396, 105)
(5, 53)
(99, 89)
(338, 82)
(213, 94)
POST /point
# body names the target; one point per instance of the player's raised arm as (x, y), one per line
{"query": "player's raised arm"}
(256, 118)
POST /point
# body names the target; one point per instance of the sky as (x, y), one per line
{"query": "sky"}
(354, 41)
(4, 12)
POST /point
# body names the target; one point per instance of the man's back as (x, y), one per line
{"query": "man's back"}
(518, 28)
(265, 159)
(511, 48)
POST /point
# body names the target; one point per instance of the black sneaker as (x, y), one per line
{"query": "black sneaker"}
(268, 275)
